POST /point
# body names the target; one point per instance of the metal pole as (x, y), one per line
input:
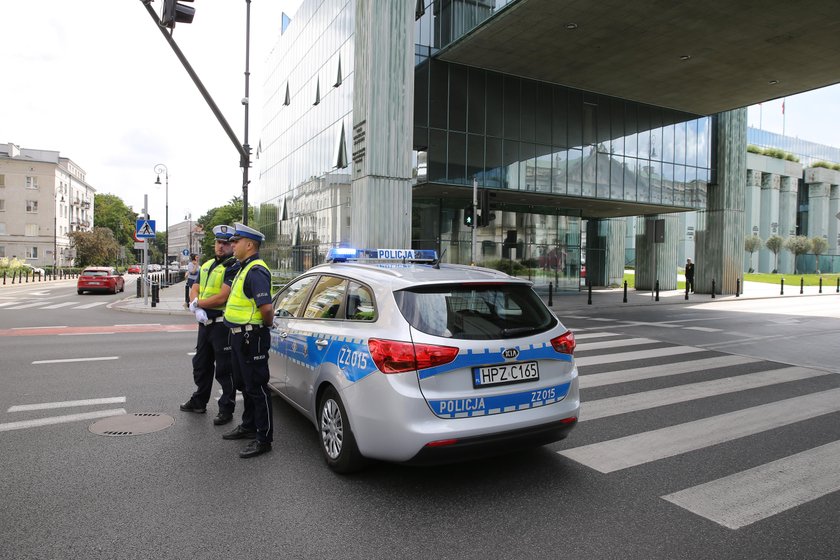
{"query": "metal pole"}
(161, 168)
(246, 159)
(145, 253)
(474, 206)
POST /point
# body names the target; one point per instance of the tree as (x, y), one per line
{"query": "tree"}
(774, 245)
(752, 243)
(797, 245)
(97, 247)
(227, 214)
(109, 211)
(819, 245)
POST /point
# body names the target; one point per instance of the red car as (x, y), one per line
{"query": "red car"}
(135, 269)
(100, 279)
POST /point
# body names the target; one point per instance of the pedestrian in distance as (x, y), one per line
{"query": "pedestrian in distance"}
(689, 275)
(249, 313)
(212, 358)
(192, 276)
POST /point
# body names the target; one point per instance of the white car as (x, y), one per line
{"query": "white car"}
(421, 363)
(29, 269)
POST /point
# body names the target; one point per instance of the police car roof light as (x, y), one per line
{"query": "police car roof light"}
(344, 254)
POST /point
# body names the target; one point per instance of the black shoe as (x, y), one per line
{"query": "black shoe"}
(239, 433)
(190, 406)
(222, 418)
(255, 448)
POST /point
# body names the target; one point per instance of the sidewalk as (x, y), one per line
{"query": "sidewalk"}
(172, 298)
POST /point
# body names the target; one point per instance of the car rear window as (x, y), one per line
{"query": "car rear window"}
(477, 312)
(95, 273)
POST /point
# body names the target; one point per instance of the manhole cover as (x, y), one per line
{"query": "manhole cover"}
(133, 424)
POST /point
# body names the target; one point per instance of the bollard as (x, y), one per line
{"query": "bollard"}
(625, 291)
(657, 290)
(589, 300)
(820, 284)
(737, 287)
(713, 288)
(801, 285)
(838, 284)
(686, 291)
(140, 287)
(550, 290)
(4, 277)
(783, 287)
(157, 291)
(154, 294)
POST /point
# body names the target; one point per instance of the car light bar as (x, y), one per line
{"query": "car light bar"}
(344, 254)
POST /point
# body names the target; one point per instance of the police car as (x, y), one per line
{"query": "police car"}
(394, 356)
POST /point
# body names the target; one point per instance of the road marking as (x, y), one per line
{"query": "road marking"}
(703, 329)
(614, 343)
(57, 305)
(65, 360)
(60, 419)
(5, 303)
(26, 306)
(139, 325)
(89, 305)
(584, 336)
(638, 449)
(743, 498)
(66, 404)
(86, 333)
(612, 406)
(638, 355)
(646, 324)
(650, 372)
(28, 328)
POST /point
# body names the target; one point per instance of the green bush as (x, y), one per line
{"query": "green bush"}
(505, 266)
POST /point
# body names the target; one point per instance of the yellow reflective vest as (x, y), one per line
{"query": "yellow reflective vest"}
(211, 280)
(241, 310)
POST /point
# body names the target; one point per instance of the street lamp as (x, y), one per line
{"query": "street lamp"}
(161, 168)
(55, 231)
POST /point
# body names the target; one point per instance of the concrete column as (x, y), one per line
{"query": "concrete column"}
(834, 220)
(818, 209)
(383, 104)
(768, 224)
(605, 251)
(789, 187)
(720, 243)
(666, 254)
(752, 214)
(616, 229)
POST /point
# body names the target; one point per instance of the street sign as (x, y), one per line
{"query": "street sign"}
(140, 245)
(145, 229)
(186, 252)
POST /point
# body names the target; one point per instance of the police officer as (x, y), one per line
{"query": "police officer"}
(249, 313)
(210, 293)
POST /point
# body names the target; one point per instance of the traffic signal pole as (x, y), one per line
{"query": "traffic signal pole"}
(244, 151)
(475, 219)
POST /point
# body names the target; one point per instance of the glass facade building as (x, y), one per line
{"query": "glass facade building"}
(550, 156)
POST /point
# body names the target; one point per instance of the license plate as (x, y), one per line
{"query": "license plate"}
(502, 374)
(95, 283)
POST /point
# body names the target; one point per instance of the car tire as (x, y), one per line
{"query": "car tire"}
(80, 292)
(122, 287)
(335, 435)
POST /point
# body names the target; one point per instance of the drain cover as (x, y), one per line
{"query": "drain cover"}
(134, 424)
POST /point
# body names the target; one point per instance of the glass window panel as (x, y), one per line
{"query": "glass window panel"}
(542, 131)
(457, 160)
(360, 303)
(326, 298)
(667, 183)
(475, 157)
(679, 185)
(643, 181)
(617, 126)
(543, 171)
(616, 177)
(559, 120)
(679, 142)
(527, 153)
(493, 163)
(558, 171)
(421, 94)
(475, 119)
(528, 108)
(512, 109)
(510, 175)
(437, 155)
(438, 94)
(589, 123)
(643, 125)
(458, 80)
(631, 176)
(575, 110)
(691, 143)
(668, 143)
(656, 182)
(495, 106)
(602, 125)
(575, 165)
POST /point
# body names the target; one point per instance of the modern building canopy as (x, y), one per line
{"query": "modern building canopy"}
(698, 57)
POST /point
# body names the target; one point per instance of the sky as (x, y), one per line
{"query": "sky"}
(96, 81)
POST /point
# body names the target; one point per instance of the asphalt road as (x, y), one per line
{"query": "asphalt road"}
(686, 431)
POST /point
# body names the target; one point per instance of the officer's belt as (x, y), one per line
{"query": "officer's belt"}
(218, 319)
(244, 328)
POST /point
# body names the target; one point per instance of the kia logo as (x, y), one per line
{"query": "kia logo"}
(510, 354)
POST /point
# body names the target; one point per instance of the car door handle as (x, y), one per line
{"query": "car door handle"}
(283, 334)
(321, 343)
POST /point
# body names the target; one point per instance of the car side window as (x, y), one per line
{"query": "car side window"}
(360, 304)
(290, 300)
(326, 298)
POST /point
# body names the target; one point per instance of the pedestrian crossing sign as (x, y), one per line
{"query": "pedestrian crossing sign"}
(145, 229)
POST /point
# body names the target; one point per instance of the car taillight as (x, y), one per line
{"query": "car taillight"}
(392, 356)
(565, 343)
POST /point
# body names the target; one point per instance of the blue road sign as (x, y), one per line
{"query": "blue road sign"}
(186, 252)
(145, 229)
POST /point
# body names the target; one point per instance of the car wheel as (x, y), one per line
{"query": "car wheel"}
(337, 442)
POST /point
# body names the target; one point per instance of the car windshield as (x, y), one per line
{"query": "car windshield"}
(95, 273)
(476, 312)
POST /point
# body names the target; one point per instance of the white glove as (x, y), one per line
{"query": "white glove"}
(194, 305)
(201, 315)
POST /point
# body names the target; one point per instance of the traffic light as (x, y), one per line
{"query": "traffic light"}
(175, 12)
(469, 216)
(485, 216)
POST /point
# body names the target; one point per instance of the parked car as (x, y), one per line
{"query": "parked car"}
(422, 363)
(100, 279)
(155, 268)
(135, 269)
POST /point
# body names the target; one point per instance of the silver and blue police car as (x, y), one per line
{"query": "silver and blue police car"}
(404, 359)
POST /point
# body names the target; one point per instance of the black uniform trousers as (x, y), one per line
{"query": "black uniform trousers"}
(212, 355)
(249, 350)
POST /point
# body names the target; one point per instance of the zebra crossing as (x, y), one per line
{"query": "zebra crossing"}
(740, 498)
(63, 418)
(14, 305)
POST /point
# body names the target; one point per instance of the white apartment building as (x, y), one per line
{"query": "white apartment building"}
(43, 197)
